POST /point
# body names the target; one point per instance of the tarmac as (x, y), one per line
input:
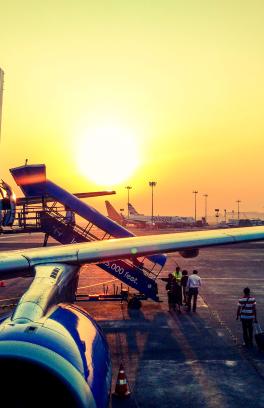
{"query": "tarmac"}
(170, 359)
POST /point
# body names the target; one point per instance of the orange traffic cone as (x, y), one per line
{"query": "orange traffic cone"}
(121, 389)
(2, 284)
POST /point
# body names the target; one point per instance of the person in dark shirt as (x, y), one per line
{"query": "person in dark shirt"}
(184, 280)
(178, 295)
(171, 292)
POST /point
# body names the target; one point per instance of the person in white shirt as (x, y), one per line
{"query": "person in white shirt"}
(193, 284)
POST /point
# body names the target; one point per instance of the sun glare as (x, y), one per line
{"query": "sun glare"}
(107, 155)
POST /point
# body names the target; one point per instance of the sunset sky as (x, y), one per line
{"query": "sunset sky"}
(177, 87)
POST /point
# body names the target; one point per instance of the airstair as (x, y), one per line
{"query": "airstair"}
(53, 219)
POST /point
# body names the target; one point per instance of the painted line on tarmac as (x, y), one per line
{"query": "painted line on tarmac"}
(6, 300)
(16, 235)
(97, 284)
(201, 302)
(244, 353)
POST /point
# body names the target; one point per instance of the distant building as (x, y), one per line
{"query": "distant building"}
(1, 95)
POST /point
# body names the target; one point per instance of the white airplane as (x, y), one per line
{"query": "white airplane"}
(52, 353)
(146, 220)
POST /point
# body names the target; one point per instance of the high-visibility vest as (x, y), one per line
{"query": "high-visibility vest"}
(177, 276)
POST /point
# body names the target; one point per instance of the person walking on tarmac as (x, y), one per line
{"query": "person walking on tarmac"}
(193, 284)
(171, 292)
(178, 276)
(184, 281)
(247, 312)
(178, 295)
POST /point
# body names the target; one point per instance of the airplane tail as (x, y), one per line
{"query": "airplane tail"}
(113, 214)
(132, 210)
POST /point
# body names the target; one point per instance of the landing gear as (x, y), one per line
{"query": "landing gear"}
(46, 237)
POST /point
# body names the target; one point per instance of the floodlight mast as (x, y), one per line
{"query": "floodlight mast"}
(238, 209)
(152, 184)
(205, 206)
(128, 188)
(195, 193)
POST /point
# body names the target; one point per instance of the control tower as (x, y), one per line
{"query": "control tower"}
(1, 95)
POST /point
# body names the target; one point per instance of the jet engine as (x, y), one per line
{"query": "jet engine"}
(61, 361)
(189, 253)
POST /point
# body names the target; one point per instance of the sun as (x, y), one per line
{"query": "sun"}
(107, 155)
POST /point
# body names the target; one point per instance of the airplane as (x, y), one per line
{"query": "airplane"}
(114, 215)
(161, 220)
(142, 220)
(52, 352)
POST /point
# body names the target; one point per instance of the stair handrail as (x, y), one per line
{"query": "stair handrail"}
(87, 234)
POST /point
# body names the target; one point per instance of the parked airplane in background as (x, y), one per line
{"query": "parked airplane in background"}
(161, 220)
(52, 353)
(114, 215)
(142, 220)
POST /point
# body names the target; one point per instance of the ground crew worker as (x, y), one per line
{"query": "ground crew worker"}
(177, 274)
(246, 310)
(193, 284)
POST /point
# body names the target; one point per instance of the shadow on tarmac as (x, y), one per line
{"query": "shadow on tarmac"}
(173, 360)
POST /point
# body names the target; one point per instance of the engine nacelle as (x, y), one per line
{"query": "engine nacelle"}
(62, 361)
(189, 253)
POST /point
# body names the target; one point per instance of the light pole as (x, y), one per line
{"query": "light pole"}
(128, 188)
(217, 214)
(195, 192)
(238, 213)
(205, 207)
(225, 216)
(152, 184)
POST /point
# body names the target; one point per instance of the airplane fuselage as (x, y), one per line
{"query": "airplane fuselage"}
(160, 220)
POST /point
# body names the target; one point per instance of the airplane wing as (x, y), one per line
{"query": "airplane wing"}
(38, 199)
(15, 262)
